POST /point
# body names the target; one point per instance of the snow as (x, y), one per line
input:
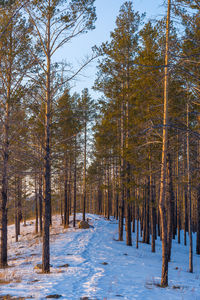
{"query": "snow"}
(100, 267)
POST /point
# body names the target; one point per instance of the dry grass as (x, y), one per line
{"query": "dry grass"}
(58, 271)
(155, 283)
(9, 277)
(8, 297)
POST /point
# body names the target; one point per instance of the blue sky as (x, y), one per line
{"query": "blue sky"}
(107, 11)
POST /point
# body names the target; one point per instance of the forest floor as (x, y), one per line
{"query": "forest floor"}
(92, 264)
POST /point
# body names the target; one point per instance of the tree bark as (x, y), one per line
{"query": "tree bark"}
(47, 161)
(178, 197)
(74, 212)
(147, 200)
(170, 205)
(66, 200)
(128, 225)
(162, 204)
(185, 215)
(189, 195)
(121, 195)
(84, 171)
(36, 206)
(133, 216)
(137, 232)
(128, 208)
(153, 216)
(198, 221)
(108, 193)
(40, 203)
(4, 189)
(16, 210)
(24, 203)
(198, 206)
(69, 192)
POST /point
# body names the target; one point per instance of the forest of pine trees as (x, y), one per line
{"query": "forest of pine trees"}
(133, 155)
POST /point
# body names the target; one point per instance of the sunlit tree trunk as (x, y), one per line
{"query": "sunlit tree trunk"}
(47, 165)
(162, 201)
(121, 185)
(170, 204)
(152, 203)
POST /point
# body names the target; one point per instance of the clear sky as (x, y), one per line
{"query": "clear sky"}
(107, 11)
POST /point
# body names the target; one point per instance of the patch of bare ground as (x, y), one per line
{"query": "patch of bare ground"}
(64, 266)
(55, 296)
(104, 263)
(9, 297)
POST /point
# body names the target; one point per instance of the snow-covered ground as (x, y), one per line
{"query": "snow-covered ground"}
(99, 266)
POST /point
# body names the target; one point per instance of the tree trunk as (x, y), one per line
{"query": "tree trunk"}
(19, 203)
(198, 206)
(198, 221)
(162, 202)
(178, 197)
(24, 203)
(69, 192)
(153, 216)
(84, 171)
(61, 208)
(128, 225)
(16, 211)
(47, 162)
(142, 219)
(121, 196)
(133, 216)
(74, 212)
(4, 189)
(158, 222)
(170, 205)
(189, 195)
(128, 207)
(144, 214)
(147, 198)
(121, 217)
(99, 199)
(108, 193)
(40, 203)
(36, 206)
(66, 204)
(137, 233)
(185, 215)
(18, 206)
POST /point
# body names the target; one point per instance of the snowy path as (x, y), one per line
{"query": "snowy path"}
(99, 266)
